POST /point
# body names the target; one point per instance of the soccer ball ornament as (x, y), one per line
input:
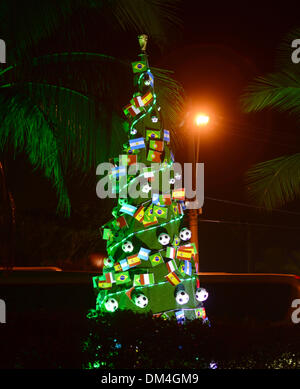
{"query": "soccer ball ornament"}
(127, 247)
(164, 239)
(201, 294)
(182, 297)
(172, 181)
(108, 262)
(185, 234)
(141, 300)
(111, 305)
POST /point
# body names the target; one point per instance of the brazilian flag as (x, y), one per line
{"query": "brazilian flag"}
(160, 211)
(122, 278)
(156, 259)
(139, 67)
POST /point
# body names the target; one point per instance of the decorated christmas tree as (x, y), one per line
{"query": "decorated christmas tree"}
(151, 265)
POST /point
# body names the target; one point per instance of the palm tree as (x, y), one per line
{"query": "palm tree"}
(62, 109)
(276, 182)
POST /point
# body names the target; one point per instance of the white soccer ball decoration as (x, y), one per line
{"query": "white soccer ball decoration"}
(127, 247)
(141, 300)
(185, 234)
(182, 297)
(164, 239)
(172, 181)
(201, 294)
(111, 305)
(108, 262)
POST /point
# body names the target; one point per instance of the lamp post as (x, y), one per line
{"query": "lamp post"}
(200, 121)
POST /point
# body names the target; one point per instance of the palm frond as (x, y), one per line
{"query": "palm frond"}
(276, 90)
(157, 18)
(274, 183)
(25, 127)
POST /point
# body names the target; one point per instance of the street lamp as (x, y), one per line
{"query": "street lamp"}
(201, 120)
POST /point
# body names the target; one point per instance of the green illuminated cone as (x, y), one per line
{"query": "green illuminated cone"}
(153, 269)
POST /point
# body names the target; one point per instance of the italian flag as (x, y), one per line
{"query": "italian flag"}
(147, 279)
(170, 252)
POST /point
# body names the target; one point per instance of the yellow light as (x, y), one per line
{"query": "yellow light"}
(202, 119)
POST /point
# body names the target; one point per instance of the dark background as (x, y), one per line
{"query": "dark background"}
(220, 48)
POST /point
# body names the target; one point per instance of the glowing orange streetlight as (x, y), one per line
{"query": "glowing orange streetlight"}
(202, 119)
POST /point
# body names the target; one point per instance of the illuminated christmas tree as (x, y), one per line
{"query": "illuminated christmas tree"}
(150, 264)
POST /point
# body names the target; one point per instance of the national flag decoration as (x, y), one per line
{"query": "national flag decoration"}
(160, 211)
(165, 199)
(170, 252)
(172, 156)
(144, 254)
(176, 241)
(100, 282)
(174, 208)
(117, 267)
(156, 259)
(154, 156)
(200, 313)
(151, 223)
(131, 110)
(137, 143)
(187, 268)
(151, 78)
(184, 253)
(143, 279)
(119, 171)
(124, 264)
(110, 278)
(138, 67)
(155, 199)
(171, 265)
(128, 159)
(180, 316)
(147, 98)
(173, 278)
(122, 278)
(178, 194)
(157, 145)
(166, 136)
(152, 134)
(128, 209)
(139, 214)
(137, 101)
(120, 222)
(149, 216)
(180, 209)
(107, 234)
(133, 260)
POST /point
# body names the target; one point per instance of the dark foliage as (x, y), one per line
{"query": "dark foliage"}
(126, 340)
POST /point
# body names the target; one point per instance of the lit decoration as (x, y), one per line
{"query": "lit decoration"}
(164, 239)
(185, 234)
(127, 247)
(147, 246)
(141, 300)
(181, 295)
(111, 304)
(201, 294)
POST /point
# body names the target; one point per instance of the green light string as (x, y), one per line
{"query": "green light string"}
(141, 287)
(109, 249)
